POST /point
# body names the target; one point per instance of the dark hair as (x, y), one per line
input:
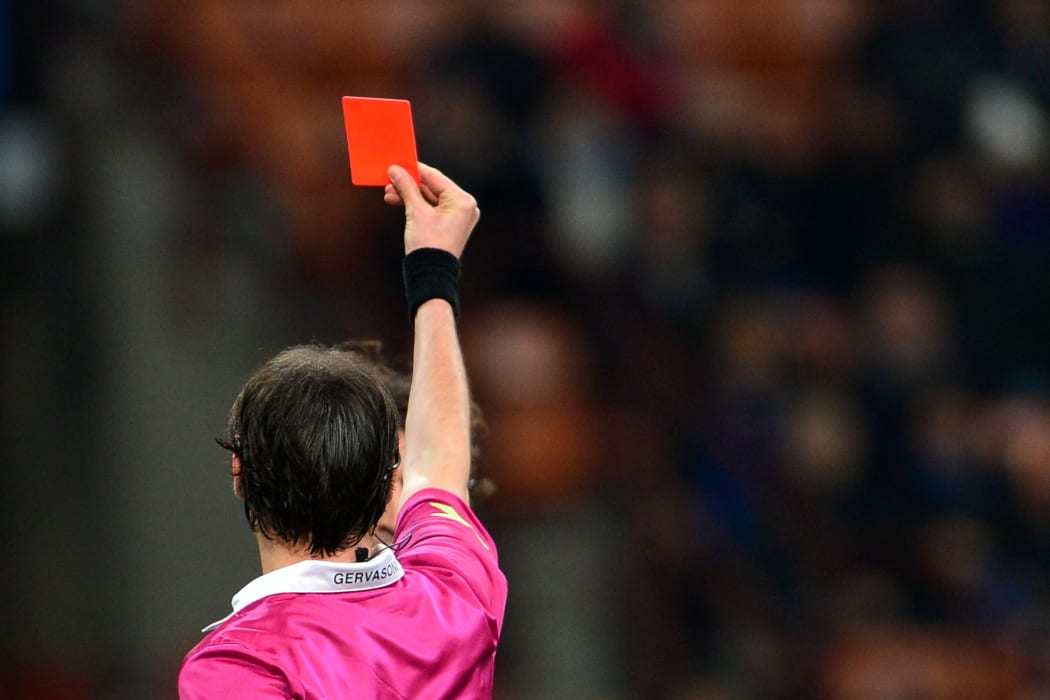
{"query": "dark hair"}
(315, 429)
(398, 381)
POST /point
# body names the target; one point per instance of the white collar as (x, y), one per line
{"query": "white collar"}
(313, 576)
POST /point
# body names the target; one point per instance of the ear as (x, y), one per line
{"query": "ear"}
(397, 473)
(235, 471)
(397, 477)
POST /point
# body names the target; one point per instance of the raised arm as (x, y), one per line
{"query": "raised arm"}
(438, 215)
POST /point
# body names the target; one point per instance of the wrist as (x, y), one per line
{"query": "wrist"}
(434, 308)
(431, 274)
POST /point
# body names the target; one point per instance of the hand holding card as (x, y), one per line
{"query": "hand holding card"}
(379, 134)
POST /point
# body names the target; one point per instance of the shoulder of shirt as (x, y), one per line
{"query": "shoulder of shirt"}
(222, 649)
(436, 506)
(436, 494)
(227, 643)
(433, 495)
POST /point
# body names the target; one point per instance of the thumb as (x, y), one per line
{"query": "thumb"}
(406, 187)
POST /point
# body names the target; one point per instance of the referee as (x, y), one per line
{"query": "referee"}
(314, 440)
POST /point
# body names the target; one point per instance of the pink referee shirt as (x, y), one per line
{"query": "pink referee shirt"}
(422, 624)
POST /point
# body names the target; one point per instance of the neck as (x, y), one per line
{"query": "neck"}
(275, 555)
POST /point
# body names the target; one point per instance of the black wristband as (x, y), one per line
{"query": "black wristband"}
(430, 273)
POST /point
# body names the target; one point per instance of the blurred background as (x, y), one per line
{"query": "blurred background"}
(757, 311)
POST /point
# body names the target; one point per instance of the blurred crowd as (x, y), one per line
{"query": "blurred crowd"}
(756, 310)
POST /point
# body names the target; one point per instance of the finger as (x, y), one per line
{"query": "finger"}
(406, 187)
(436, 181)
(390, 195)
(448, 192)
(428, 194)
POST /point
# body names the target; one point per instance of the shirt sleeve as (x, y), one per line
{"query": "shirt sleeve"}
(232, 671)
(437, 530)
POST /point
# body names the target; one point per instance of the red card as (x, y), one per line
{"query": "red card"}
(379, 134)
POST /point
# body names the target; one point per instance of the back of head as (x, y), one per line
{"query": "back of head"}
(316, 433)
